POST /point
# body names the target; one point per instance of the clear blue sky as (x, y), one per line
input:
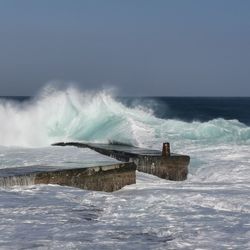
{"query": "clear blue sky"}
(169, 48)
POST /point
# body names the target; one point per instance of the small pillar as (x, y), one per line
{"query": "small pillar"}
(165, 149)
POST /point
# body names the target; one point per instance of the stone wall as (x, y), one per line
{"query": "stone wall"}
(171, 168)
(102, 178)
(163, 164)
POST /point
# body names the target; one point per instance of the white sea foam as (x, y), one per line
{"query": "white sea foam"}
(51, 156)
(152, 214)
(70, 115)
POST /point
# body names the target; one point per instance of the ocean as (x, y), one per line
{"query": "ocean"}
(210, 210)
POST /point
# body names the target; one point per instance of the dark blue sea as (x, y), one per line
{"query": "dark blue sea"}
(186, 108)
(196, 108)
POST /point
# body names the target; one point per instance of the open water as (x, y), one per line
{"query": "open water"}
(210, 210)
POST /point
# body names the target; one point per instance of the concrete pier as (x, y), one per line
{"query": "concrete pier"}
(99, 178)
(108, 175)
(163, 164)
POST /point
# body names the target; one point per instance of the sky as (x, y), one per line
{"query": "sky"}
(139, 47)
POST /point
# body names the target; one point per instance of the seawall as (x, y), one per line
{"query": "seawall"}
(99, 178)
(163, 164)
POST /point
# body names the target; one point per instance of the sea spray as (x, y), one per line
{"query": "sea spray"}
(71, 115)
(10, 181)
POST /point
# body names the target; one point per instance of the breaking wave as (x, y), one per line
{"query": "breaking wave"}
(57, 115)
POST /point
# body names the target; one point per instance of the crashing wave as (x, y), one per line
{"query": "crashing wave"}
(58, 115)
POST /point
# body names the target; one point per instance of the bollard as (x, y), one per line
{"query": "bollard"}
(166, 149)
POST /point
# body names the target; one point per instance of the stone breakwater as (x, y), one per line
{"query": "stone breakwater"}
(99, 178)
(163, 164)
(103, 176)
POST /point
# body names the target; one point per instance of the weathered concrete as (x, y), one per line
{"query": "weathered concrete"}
(162, 164)
(108, 177)
(100, 178)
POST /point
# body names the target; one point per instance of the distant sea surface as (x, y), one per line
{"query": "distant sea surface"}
(186, 108)
(197, 108)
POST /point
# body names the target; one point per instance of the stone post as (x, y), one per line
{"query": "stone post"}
(166, 149)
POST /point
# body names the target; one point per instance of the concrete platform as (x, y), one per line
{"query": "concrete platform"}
(100, 178)
(160, 163)
(105, 175)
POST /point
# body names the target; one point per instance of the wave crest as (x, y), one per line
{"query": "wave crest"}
(57, 115)
(71, 115)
